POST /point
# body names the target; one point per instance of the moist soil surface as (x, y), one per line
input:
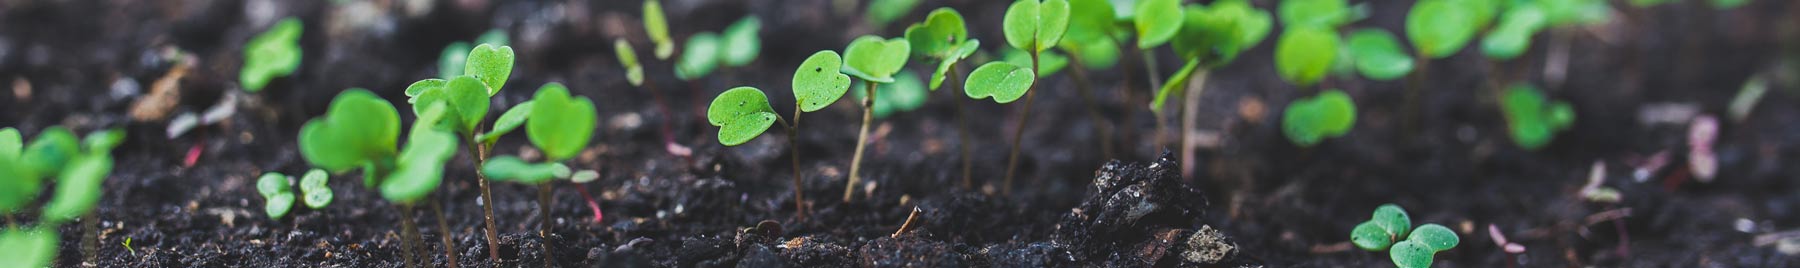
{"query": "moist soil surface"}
(1250, 198)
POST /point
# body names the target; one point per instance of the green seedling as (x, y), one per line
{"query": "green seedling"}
(1211, 37)
(272, 54)
(314, 187)
(466, 100)
(1440, 28)
(882, 12)
(743, 113)
(1034, 27)
(874, 60)
(1156, 22)
(1390, 229)
(1093, 34)
(561, 126)
(706, 51)
(1326, 14)
(1377, 55)
(1304, 54)
(657, 26)
(276, 196)
(1531, 118)
(907, 93)
(363, 130)
(1311, 120)
(451, 62)
(78, 169)
(634, 72)
(943, 40)
(742, 42)
(1512, 36)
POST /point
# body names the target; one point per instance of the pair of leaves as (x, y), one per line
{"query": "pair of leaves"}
(941, 36)
(874, 59)
(55, 152)
(1391, 229)
(1036, 26)
(273, 53)
(512, 168)
(34, 247)
(634, 72)
(1531, 118)
(1513, 35)
(657, 26)
(705, 51)
(419, 168)
(560, 124)
(1157, 21)
(1305, 53)
(78, 187)
(1378, 55)
(1220, 31)
(905, 94)
(280, 199)
(1419, 248)
(1309, 121)
(358, 128)
(1004, 82)
(467, 95)
(1390, 223)
(742, 113)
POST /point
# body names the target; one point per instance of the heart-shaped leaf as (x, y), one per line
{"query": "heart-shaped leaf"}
(103, 141)
(455, 56)
(560, 125)
(1378, 55)
(1304, 54)
(817, 82)
(313, 185)
(634, 73)
(1036, 26)
(510, 168)
(1411, 254)
(1325, 14)
(906, 93)
(492, 64)
(50, 152)
(1436, 237)
(699, 57)
(272, 183)
(939, 35)
(1513, 36)
(358, 127)
(1090, 21)
(874, 59)
(420, 166)
(1439, 28)
(77, 188)
(741, 114)
(1311, 120)
(1157, 21)
(34, 247)
(657, 26)
(274, 53)
(946, 65)
(11, 143)
(1219, 32)
(512, 119)
(742, 42)
(1532, 119)
(1005, 82)
(278, 205)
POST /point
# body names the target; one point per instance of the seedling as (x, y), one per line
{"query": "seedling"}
(362, 130)
(1314, 13)
(657, 26)
(706, 51)
(1513, 35)
(79, 168)
(874, 60)
(1031, 26)
(942, 40)
(1532, 118)
(743, 113)
(274, 53)
(279, 199)
(1311, 120)
(1304, 54)
(1156, 22)
(1378, 55)
(1440, 28)
(560, 125)
(466, 101)
(1390, 229)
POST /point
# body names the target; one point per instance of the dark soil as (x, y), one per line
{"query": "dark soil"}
(1253, 200)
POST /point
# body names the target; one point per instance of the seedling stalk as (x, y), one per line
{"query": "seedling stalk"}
(1190, 114)
(408, 235)
(443, 226)
(793, 131)
(908, 225)
(862, 138)
(962, 131)
(1012, 160)
(479, 151)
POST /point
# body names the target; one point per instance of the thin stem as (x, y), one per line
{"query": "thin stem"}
(1012, 160)
(90, 238)
(544, 225)
(1155, 83)
(793, 134)
(1102, 127)
(409, 243)
(911, 218)
(1190, 114)
(662, 106)
(962, 131)
(479, 152)
(443, 225)
(1413, 84)
(862, 139)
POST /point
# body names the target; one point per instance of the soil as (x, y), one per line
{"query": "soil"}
(1254, 200)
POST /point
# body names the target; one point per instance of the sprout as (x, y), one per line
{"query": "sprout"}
(706, 51)
(274, 53)
(1156, 21)
(358, 128)
(1325, 14)
(560, 125)
(1513, 36)
(313, 186)
(1378, 55)
(882, 12)
(657, 26)
(634, 72)
(79, 168)
(1002, 81)
(741, 42)
(1304, 54)
(274, 189)
(907, 93)
(1439, 28)
(873, 59)
(743, 113)
(1390, 229)
(1531, 118)
(941, 37)
(1212, 36)
(1311, 120)
(1037, 26)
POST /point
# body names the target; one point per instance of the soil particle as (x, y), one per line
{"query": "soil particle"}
(1137, 213)
(909, 251)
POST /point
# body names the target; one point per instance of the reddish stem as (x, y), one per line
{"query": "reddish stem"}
(592, 206)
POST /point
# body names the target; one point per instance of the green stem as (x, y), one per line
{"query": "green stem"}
(1413, 86)
(443, 225)
(793, 135)
(962, 131)
(862, 139)
(1155, 83)
(1190, 113)
(479, 152)
(408, 235)
(1012, 160)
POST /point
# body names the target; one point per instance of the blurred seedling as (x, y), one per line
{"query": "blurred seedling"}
(882, 12)
(1531, 118)
(657, 26)
(1309, 121)
(1092, 44)
(743, 113)
(560, 125)
(874, 60)
(942, 40)
(1390, 229)
(361, 130)
(1211, 36)
(1034, 27)
(78, 167)
(272, 54)
(279, 199)
(706, 51)
(1439, 29)
(634, 74)
(456, 54)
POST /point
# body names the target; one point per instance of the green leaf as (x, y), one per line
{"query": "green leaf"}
(273, 53)
(450, 64)
(1030, 24)
(1220, 32)
(1532, 121)
(1513, 36)
(1325, 14)
(314, 186)
(1311, 120)
(1101, 54)
(741, 114)
(1439, 28)
(1371, 237)
(905, 94)
(1393, 220)
(699, 57)
(1304, 54)
(104, 141)
(1176, 84)
(357, 128)
(657, 26)
(742, 41)
(1411, 254)
(11, 143)
(512, 119)
(939, 35)
(78, 188)
(492, 64)
(416, 89)
(1157, 21)
(34, 247)
(946, 65)
(560, 125)
(874, 59)
(272, 183)
(468, 102)
(420, 166)
(278, 205)
(1436, 237)
(50, 151)
(634, 73)
(882, 12)
(817, 82)
(510, 168)
(1004, 82)
(1089, 22)
(1378, 55)
(1727, 4)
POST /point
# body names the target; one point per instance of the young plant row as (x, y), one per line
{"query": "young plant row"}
(76, 167)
